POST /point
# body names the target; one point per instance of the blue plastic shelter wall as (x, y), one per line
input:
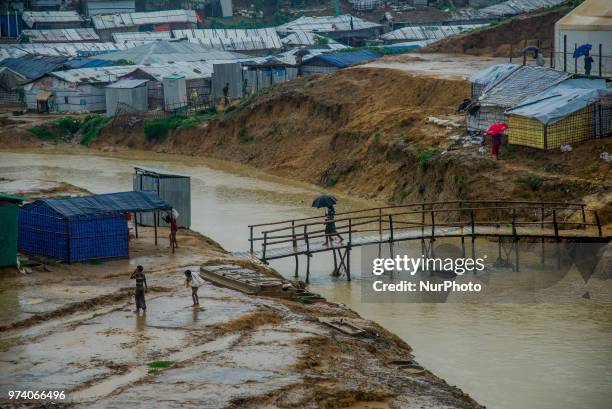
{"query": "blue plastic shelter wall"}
(42, 231)
(98, 237)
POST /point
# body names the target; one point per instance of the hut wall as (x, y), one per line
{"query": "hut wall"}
(8, 233)
(174, 190)
(43, 232)
(573, 129)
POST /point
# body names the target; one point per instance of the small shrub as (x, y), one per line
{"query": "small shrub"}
(243, 135)
(461, 185)
(160, 364)
(67, 125)
(91, 127)
(425, 156)
(43, 134)
(156, 130)
(533, 182)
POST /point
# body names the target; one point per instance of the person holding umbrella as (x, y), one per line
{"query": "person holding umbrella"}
(330, 226)
(585, 49)
(496, 131)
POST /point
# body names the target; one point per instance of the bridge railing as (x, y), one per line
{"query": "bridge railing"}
(390, 221)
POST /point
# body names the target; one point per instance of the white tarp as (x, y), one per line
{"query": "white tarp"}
(492, 74)
(561, 100)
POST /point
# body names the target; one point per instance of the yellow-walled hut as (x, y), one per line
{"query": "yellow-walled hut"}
(566, 114)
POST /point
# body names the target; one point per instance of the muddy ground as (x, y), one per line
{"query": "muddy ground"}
(72, 328)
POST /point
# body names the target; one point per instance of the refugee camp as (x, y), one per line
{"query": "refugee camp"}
(205, 204)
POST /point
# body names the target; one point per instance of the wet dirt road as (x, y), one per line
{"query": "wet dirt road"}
(548, 355)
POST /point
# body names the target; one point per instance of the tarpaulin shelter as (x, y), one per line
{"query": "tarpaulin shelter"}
(512, 89)
(564, 114)
(9, 206)
(83, 228)
(488, 76)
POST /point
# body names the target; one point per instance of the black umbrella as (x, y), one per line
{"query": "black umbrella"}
(324, 201)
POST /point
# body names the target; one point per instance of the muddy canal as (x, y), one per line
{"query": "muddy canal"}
(505, 355)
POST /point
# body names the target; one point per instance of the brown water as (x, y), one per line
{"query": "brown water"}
(505, 355)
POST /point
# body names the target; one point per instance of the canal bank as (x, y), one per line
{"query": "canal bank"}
(540, 350)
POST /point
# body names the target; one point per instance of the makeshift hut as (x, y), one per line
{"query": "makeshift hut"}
(262, 74)
(77, 90)
(165, 20)
(328, 62)
(482, 79)
(52, 19)
(509, 91)
(83, 228)
(9, 207)
(130, 95)
(344, 28)
(564, 114)
(173, 188)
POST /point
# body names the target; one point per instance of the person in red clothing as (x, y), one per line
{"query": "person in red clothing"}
(496, 144)
(171, 220)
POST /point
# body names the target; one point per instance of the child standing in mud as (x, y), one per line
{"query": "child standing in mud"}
(193, 280)
(141, 288)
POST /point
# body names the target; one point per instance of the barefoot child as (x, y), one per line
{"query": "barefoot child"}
(141, 287)
(193, 280)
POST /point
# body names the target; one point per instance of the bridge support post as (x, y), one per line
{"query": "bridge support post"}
(348, 263)
(308, 268)
(462, 246)
(516, 255)
(335, 272)
(297, 266)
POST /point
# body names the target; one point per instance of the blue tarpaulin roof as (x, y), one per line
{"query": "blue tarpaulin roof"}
(122, 202)
(346, 58)
(561, 100)
(87, 63)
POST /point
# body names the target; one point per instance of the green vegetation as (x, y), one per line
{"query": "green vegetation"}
(425, 156)
(533, 182)
(160, 364)
(91, 127)
(158, 129)
(43, 133)
(461, 185)
(67, 125)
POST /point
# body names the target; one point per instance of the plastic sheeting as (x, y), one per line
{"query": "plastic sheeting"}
(560, 101)
(122, 202)
(492, 74)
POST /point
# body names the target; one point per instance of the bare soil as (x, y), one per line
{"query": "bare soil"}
(502, 38)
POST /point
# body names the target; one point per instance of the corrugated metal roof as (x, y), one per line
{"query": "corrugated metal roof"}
(61, 35)
(59, 49)
(428, 32)
(307, 38)
(33, 66)
(327, 24)
(346, 58)
(110, 21)
(122, 202)
(189, 70)
(139, 36)
(157, 171)
(506, 8)
(171, 51)
(95, 7)
(37, 17)
(233, 39)
(127, 84)
(523, 82)
(95, 75)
